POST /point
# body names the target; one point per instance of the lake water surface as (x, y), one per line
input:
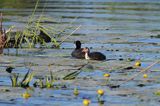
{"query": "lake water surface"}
(119, 16)
(124, 30)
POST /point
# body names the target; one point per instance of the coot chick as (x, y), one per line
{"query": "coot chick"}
(77, 53)
(93, 55)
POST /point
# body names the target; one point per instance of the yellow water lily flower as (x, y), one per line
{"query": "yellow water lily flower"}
(100, 92)
(86, 102)
(145, 76)
(106, 75)
(137, 63)
(75, 92)
(26, 95)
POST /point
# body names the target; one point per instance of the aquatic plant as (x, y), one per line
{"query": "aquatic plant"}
(39, 83)
(14, 79)
(157, 93)
(106, 77)
(138, 63)
(76, 92)
(3, 37)
(50, 78)
(100, 93)
(145, 76)
(135, 75)
(26, 95)
(72, 75)
(27, 79)
(46, 82)
(24, 83)
(36, 31)
(86, 102)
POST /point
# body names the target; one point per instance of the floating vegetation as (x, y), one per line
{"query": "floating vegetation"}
(86, 102)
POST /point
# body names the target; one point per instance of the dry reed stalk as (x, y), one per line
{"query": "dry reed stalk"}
(2, 35)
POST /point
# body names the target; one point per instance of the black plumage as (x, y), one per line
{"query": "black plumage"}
(77, 52)
(93, 55)
(9, 69)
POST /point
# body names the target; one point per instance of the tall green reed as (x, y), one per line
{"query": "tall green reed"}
(41, 29)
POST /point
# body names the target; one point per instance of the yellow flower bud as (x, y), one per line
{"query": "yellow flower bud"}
(100, 92)
(137, 63)
(75, 92)
(145, 76)
(86, 102)
(26, 95)
(106, 75)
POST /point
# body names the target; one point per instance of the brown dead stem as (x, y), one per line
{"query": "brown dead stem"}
(2, 35)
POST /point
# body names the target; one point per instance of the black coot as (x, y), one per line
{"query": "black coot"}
(77, 52)
(93, 55)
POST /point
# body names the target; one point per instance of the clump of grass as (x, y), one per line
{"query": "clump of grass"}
(24, 83)
(47, 82)
(44, 83)
(14, 79)
(38, 31)
(27, 79)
